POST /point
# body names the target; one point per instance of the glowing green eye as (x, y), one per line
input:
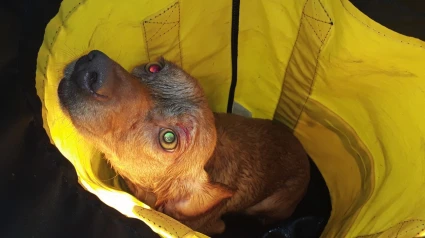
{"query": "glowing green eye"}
(168, 139)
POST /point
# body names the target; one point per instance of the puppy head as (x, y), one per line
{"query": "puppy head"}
(154, 125)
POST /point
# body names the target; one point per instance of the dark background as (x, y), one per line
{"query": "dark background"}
(40, 196)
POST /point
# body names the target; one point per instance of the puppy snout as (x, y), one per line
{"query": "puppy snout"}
(91, 72)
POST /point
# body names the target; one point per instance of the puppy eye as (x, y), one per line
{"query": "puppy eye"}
(153, 68)
(168, 139)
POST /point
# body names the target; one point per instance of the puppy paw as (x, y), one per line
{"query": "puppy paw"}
(213, 228)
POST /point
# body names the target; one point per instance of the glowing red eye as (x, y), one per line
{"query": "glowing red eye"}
(154, 68)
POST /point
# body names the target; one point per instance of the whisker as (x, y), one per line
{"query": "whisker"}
(109, 179)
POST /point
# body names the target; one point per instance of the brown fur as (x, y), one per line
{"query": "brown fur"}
(223, 163)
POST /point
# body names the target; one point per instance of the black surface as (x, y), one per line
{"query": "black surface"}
(234, 53)
(403, 16)
(40, 193)
(42, 198)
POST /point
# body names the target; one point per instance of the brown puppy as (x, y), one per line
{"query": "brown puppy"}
(156, 129)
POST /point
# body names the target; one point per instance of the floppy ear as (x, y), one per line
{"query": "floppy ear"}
(202, 199)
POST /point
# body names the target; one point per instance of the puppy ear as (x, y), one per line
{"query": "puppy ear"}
(161, 60)
(201, 200)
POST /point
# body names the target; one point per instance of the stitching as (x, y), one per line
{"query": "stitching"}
(315, 15)
(163, 11)
(314, 75)
(317, 63)
(166, 31)
(389, 228)
(176, 23)
(399, 229)
(163, 216)
(411, 228)
(420, 231)
(330, 23)
(146, 41)
(415, 228)
(162, 26)
(327, 14)
(314, 30)
(282, 93)
(379, 33)
(158, 22)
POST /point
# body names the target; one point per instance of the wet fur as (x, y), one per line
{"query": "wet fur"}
(224, 164)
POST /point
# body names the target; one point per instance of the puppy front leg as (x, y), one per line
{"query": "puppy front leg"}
(144, 196)
(202, 209)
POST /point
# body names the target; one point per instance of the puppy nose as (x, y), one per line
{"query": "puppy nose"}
(92, 54)
(91, 71)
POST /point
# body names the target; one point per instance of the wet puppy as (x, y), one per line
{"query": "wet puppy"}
(157, 131)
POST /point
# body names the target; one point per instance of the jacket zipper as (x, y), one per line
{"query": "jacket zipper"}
(234, 53)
